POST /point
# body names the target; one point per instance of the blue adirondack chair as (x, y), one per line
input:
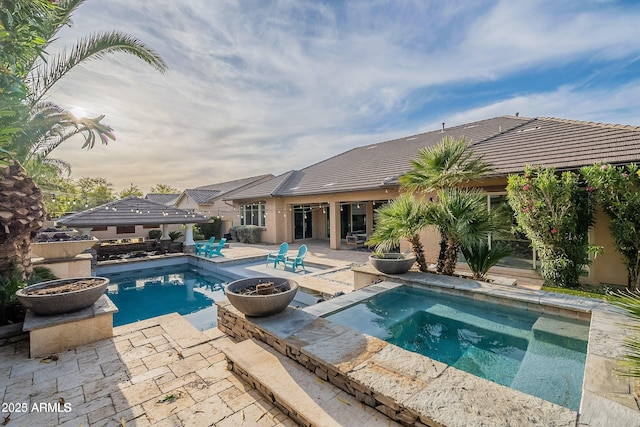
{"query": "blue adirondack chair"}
(215, 249)
(280, 256)
(201, 248)
(298, 261)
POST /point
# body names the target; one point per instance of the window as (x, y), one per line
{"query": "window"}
(523, 255)
(125, 229)
(252, 214)
(99, 228)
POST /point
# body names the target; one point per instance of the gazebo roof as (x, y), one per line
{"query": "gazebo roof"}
(132, 211)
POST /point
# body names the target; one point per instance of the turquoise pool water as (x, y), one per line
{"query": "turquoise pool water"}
(152, 292)
(182, 288)
(537, 354)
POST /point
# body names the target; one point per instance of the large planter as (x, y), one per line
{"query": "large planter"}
(261, 305)
(61, 250)
(392, 263)
(63, 295)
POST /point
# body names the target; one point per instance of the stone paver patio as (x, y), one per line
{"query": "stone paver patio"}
(163, 371)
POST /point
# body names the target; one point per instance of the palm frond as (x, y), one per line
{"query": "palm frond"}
(402, 218)
(447, 164)
(94, 46)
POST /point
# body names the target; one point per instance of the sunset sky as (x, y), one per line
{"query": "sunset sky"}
(261, 86)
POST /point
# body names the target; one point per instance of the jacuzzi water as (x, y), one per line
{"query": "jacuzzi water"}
(537, 354)
(182, 288)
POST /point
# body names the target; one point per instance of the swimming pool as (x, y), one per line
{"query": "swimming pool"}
(182, 288)
(537, 354)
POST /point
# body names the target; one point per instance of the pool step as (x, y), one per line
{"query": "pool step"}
(306, 398)
(562, 332)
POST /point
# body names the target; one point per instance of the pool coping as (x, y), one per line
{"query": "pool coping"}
(399, 383)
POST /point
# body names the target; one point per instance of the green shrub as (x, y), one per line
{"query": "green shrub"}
(246, 233)
(617, 189)
(555, 213)
(209, 229)
(174, 235)
(480, 258)
(9, 305)
(155, 234)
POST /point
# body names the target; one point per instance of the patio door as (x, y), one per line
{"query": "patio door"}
(302, 222)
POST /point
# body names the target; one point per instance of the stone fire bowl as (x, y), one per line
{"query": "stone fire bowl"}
(261, 305)
(66, 302)
(61, 250)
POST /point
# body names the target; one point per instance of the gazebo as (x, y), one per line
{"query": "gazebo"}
(135, 211)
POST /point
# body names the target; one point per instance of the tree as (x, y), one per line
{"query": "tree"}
(163, 189)
(446, 165)
(96, 191)
(403, 218)
(462, 217)
(133, 190)
(32, 25)
(617, 189)
(556, 213)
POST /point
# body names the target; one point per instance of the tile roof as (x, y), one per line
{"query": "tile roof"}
(201, 196)
(508, 142)
(131, 211)
(561, 144)
(372, 166)
(165, 199)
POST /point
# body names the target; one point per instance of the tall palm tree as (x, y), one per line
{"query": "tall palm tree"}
(448, 164)
(35, 135)
(403, 218)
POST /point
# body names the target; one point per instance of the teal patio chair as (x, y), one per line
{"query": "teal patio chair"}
(215, 249)
(201, 248)
(280, 256)
(298, 261)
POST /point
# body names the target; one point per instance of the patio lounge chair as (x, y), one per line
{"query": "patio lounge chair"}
(298, 261)
(215, 249)
(201, 248)
(280, 256)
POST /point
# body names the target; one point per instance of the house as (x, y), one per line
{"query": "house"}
(210, 200)
(338, 196)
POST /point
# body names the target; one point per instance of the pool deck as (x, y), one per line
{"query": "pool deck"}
(164, 372)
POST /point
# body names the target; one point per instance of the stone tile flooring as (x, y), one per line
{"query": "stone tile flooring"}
(160, 372)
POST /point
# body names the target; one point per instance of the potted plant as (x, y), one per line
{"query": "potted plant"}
(392, 263)
(62, 295)
(261, 296)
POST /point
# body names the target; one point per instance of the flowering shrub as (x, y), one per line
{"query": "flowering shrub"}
(555, 213)
(617, 189)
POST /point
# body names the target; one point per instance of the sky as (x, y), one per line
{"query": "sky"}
(257, 87)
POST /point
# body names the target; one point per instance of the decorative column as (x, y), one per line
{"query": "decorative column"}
(334, 225)
(165, 232)
(188, 247)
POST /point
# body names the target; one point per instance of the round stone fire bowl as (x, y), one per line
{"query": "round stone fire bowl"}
(261, 305)
(65, 301)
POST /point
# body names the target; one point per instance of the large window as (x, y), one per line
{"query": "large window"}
(523, 255)
(252, 214)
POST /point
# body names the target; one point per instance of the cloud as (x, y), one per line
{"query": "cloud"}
(265, 87)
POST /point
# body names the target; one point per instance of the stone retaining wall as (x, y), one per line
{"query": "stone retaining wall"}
(234, 324)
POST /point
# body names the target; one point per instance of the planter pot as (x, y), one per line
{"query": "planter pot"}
(63, 298)
(58, 250)
(392, 263)
(261, 305)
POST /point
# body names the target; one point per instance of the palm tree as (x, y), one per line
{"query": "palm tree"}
(448, 164)
(403, 218)
(34, 135)
(463, 219)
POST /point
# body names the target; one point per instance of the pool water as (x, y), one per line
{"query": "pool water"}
(152, 292)
(145, 293)
(537, 354)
